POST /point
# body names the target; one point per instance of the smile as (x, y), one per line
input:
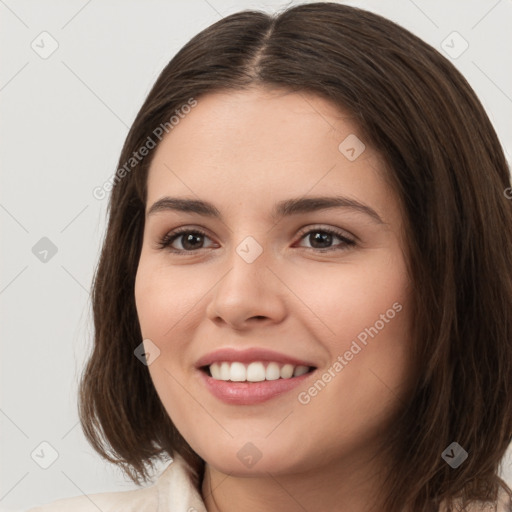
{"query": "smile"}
(246, 392)
(256, 371)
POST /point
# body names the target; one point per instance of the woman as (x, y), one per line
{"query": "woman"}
(304, 295)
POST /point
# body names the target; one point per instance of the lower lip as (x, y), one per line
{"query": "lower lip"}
(248, 393)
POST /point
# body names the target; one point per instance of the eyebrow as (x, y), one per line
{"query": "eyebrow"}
(281, 209)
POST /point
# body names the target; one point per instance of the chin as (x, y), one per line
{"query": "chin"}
(256, 458)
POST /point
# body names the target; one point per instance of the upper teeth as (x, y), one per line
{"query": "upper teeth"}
(255, 372)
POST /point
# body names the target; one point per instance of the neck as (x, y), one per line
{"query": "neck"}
(348, 485)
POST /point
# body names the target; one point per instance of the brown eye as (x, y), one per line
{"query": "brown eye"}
(190, 240)
(322, 238)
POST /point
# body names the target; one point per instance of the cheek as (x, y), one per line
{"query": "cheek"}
(369, 375)
(361, 313)
(344, 299)
(165, 296)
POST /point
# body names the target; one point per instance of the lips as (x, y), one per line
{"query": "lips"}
(249, 356)
(292, 372)
(252, 393)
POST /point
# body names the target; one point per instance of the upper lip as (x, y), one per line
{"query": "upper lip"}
(248, 356)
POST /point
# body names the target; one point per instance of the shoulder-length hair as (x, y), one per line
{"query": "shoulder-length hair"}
(449, 172)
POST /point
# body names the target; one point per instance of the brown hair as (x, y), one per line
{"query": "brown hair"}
(449, 172)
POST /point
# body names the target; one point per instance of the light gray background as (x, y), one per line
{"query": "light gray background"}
(63, 121)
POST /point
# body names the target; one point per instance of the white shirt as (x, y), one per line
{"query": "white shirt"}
(172, 492)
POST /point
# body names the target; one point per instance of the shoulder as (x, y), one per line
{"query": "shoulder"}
(173, 491)
(503, 504)
(504, 501)
(143, 500)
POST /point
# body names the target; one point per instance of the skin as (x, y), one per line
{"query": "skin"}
(245, 151)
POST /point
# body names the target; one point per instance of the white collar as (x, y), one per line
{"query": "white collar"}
(176, 492)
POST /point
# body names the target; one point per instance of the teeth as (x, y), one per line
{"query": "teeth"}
(255, 372)
(287, 371)
(300, 370)
(215, 371)
(224, 371)
(272, 372)
(237, 372)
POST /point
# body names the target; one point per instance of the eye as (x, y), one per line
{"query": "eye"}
(191, 239)
(323, 237)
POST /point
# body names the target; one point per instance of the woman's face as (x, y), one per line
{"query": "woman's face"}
(272, 270)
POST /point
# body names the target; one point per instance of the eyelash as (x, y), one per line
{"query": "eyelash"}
(166, 241)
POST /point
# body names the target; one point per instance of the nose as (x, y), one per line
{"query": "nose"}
(248, 294)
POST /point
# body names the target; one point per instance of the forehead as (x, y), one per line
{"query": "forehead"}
(246, 146)
(237, 122)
